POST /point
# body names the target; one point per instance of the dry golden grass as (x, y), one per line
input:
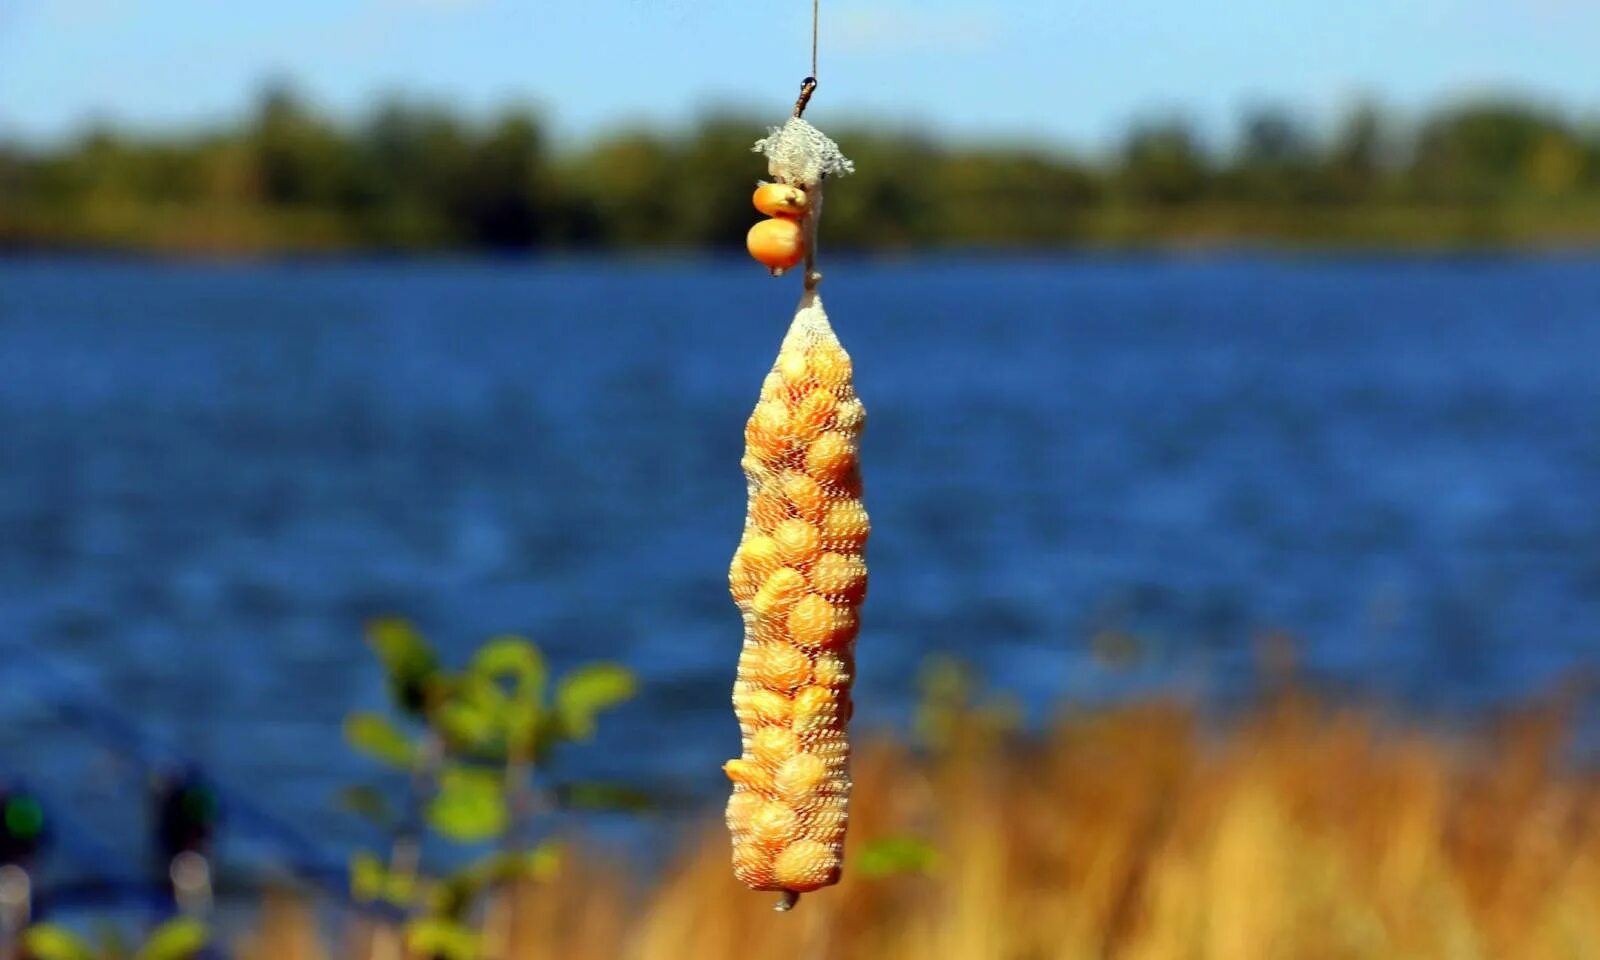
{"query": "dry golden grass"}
(1137, 834)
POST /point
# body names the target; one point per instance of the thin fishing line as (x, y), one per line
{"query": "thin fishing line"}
(815, 17)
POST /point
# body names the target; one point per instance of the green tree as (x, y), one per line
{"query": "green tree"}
(501, 202)
(1162, 163)
(624, 191)
(299, 156)
(1481, 152)
(1361, 151)
(1276, 160)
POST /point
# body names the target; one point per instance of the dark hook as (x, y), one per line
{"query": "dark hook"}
(808, 86)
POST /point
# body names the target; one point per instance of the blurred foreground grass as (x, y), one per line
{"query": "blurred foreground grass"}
(1141, 832)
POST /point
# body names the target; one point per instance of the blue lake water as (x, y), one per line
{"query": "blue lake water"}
(211, 476)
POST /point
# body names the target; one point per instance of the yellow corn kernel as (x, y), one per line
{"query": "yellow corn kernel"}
(758, 705)
(850, 416)
(839, 577)
(767, 433)
(752, 864)
(813, 709)
(806, 865)
(773, 746)
(783, 666)
(754, 467)
(814, 622)
(825, 820)
(845, 526)
(831, 457)
(798, 541)
(750, 774)
(766, 631)
(771, 416)
(774, 824)
(830, 365)
(760, 556)
(751, 658)
(812, 415)
(768, 510)
(804, 494)
(832, 749)
(781, 200)
(777, 243)
(831, 670)
(742, 805)
(792, 368)
(739, 580)
(781, 590)
(799, 777)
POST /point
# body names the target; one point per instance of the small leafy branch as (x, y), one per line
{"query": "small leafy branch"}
(476, 745)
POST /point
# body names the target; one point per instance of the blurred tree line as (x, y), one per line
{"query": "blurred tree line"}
(414, 177)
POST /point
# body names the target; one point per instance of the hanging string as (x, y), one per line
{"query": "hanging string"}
(812, 275)
(815, 4)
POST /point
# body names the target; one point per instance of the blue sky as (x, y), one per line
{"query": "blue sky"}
(1067, 71)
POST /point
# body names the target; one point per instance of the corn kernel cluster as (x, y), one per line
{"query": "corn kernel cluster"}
(799, 577)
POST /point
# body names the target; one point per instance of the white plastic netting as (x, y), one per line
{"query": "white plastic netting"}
(799, 153)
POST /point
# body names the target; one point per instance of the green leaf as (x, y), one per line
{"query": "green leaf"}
(433, 937)
(515, 669)
(46, 941)
(542, 862)
(945, 685)
(890, 856)
(368, 802)
(603, 796)
(367, 877)
(376, 737)
(371, 881)
(586, 691)
(398, 643)
(514, 658)
(177, 939)
(467, 722)
(400, 888)
(470, 806)
(411, 665)
(453, 897)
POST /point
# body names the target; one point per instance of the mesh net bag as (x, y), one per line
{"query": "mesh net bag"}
(799, 577)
